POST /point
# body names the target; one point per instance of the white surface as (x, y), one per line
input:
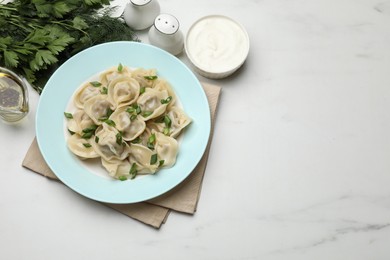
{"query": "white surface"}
(299, 166)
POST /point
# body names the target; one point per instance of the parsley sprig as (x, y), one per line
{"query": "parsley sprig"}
(37, 36)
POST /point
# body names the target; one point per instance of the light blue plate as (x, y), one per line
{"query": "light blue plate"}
(59, 90)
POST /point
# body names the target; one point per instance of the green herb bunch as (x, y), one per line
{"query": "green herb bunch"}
(37, 36)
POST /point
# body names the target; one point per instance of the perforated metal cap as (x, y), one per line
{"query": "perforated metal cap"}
(166, 23)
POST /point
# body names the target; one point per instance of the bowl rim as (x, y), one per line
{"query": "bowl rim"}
(216, 73)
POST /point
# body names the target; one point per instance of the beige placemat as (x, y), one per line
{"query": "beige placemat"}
(184, 198)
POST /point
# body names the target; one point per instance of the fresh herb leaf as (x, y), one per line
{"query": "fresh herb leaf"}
(110, 122)
(103, 118)
(150, 77)
(136, 140)
(142, 90)
(104, 91)
(166, 130)
(92, 128)
(120, 67)
(151, 141)
(167, 121)
(153, 159)
(133, 117)
(167, 100)
(87, 135)
(161, 163)
(122, 178)
(147, 113)
(133, 171)
(95, 84)
(37, 36)
(119, 138)
(137, 109)
(130, 110)
(68, 115)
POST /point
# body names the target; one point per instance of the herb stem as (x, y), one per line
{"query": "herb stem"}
(7, 8)
(70, 27)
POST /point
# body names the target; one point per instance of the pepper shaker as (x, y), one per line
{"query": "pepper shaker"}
(13, 96)
(140, 14)
(165, 33)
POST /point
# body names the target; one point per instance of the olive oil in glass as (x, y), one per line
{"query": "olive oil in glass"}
(13, 96)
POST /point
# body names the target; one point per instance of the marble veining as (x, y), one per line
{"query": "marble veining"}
(299, 165)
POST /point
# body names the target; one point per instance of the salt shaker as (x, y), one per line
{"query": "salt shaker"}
(165, 33)
(140, 14)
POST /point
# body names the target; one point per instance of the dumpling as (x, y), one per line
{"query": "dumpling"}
(81, 147)
(117, 168)
(155, 126)
(179, 120)
(112, 73)
(123, 91)
(80, 122)
(166, 148)
(129, 128)
(109, 144)
(161, 85)
(145, 77)
(84, 93)
(98, 108)
(150, 103)
(142, 157)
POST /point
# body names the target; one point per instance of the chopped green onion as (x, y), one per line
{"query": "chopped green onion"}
(166, 101)
(147, 113)
(133, 171)
(159, 120)
(167, 121)
(68, 115)
(130, 110)
(95, 84)
(87, 135)
(109, 112)
(161, 163)
(150, 77)
(103, 118)
(120, 67)
(142, 90)
(119, 138)
(92, 128)
(133, 117)
(87, 145)
(110, 122)
(136, 140)
(166, 130)
(153, 159)
(96, 139)
(71, 132)
(122, 178)
(134, 109)
(104, 91)
(151, 141)
(138, 109)
(152, 138)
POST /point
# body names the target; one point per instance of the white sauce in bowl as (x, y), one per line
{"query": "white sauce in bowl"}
(217, 45)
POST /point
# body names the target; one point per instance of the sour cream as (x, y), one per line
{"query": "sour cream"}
(217, 46)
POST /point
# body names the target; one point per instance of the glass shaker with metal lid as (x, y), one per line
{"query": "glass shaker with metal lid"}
(13, 96)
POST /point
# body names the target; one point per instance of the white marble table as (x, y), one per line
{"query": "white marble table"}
(300, 162)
